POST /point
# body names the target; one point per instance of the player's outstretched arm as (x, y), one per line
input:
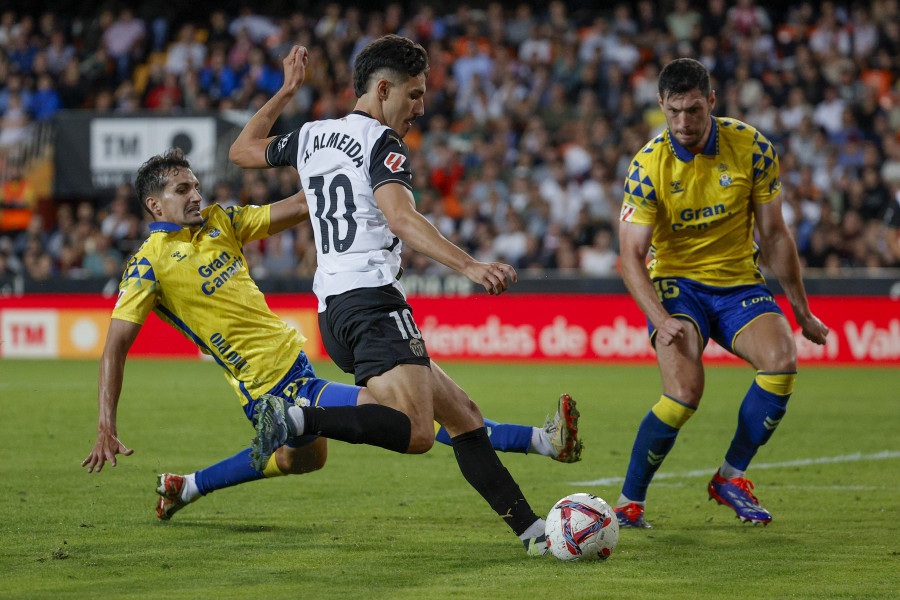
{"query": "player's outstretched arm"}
(249, 149)
(780, 254)
(288, 212)
(119, 339)
(399, 207)
(634, 243)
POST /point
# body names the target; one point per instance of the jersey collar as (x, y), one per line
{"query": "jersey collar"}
(711, 148)
(164, 226)
(361, 113)
(167, 227)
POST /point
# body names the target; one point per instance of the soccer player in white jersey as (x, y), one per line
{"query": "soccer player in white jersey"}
(191, 272)
(356, 174)
(692, 197)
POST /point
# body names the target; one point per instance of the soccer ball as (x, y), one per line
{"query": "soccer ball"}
(582, 527)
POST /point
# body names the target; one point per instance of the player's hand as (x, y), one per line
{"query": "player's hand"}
(495, 276)
(813, 329)
(671, 330)
(295, 68)
(105, 450)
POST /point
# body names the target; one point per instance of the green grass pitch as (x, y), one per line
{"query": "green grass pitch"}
(373, 524)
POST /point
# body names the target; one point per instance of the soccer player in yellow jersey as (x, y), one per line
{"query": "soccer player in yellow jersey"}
(692, 197)
(191, 272)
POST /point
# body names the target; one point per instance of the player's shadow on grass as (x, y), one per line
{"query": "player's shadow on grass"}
(245, 527)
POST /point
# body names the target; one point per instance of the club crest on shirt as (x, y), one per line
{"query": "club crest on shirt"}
(417, 347)
(394, 162)
(214, 232)
(677, 187)
(724, 179)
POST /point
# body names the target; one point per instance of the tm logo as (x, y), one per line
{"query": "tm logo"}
(178, 256)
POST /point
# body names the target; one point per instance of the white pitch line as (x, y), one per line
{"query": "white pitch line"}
(791, 463)
(829, 488)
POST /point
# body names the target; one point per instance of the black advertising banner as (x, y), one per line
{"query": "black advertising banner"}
(96, 153)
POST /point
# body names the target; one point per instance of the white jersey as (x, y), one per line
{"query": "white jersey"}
(341, 163)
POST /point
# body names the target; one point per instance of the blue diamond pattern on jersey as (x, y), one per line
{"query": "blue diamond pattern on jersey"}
(763, 156)
(138, 272)
(639, 187)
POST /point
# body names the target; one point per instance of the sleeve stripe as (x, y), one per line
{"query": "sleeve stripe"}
(400, 181)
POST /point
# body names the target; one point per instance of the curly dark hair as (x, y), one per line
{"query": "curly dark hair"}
(683, 75)
(398, 55)
(154, 174)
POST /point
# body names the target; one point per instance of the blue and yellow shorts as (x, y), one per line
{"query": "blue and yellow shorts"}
(720, 313)
(301, 386)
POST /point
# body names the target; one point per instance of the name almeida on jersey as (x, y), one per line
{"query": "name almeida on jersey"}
(338, 141)
(223, 271)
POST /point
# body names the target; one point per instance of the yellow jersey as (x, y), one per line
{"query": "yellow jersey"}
(701, 206)
(199, 283)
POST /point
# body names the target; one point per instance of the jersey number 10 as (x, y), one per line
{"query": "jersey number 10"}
(327, 207)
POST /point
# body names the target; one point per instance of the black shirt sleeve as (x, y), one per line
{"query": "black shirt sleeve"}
(389, 161)
(282, 150)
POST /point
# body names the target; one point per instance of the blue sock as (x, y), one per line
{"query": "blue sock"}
(229, 472)
(505, 437)
(653, 441)
(337, 394)
(760, 413)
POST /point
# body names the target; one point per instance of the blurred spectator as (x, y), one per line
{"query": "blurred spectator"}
(257, 27)
(186, 53)
(218, 79)
(600, 258)
(683, 22)
(59, 53)
(100, 258)
(124, 40)
(18, 200)
(46, 100)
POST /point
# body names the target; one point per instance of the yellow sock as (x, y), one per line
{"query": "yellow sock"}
(672, 412)
(272, 469)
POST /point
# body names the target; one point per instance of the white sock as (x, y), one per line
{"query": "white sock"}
(623, 500)
(536, 529)
(539, 442)
(295, 419)
(728, 472)
(190, 492)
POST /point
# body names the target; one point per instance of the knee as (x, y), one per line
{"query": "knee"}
(463, 416)
(686, 392)
(778, 357)
(421, 440)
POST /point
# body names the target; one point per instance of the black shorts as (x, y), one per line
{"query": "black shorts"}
(369, 331)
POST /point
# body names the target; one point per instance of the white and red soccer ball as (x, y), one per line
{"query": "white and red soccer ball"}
(582, 527)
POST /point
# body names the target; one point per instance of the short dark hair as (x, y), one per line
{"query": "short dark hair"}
(400, 55)
(152, 177)
(683, 75)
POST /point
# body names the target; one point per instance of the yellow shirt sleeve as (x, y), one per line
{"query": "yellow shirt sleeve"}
(639, 205)
(250, 222)
(138, 291)
(766, 171)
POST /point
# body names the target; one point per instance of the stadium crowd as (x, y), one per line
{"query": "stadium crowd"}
(532, 115)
